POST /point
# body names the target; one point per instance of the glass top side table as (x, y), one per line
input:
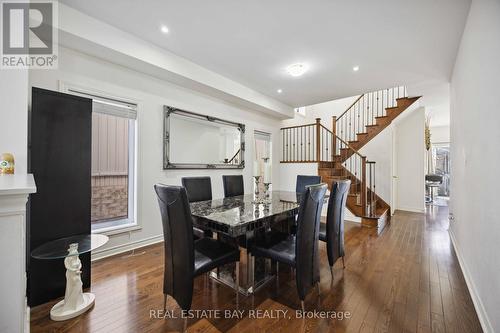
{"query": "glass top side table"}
(75, 300)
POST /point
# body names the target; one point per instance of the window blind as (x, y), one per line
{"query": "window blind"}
(109, 106)
(262, 136)
(114, 109)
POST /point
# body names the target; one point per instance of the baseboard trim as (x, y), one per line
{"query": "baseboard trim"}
(122, 248)
(411, 209)
(478, 305)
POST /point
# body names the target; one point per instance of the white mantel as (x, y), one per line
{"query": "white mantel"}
(14, 192)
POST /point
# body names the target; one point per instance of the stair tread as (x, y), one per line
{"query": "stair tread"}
(377, 215)
(409, 98)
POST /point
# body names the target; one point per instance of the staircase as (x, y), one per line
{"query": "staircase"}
(337, 150)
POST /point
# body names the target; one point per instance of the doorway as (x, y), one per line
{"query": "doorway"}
(438, 177)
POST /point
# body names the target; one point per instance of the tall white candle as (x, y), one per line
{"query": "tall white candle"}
(268, 173)
(256, 168)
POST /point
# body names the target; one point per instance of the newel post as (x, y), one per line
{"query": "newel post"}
(318, 139)
(363, 185)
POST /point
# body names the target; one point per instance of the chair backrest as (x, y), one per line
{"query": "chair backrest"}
(306, 247)
(434, 178)
(335, 220)
(233, 186)
(197, 188)
(178, 243)
(303, 181)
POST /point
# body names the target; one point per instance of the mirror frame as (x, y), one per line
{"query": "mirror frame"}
(169, 110)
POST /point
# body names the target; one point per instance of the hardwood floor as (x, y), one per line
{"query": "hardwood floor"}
(405, 280)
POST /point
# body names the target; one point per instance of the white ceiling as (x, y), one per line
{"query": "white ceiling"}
(436, 100)
(393, 41)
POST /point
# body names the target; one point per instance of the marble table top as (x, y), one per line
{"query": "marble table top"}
(234, 214)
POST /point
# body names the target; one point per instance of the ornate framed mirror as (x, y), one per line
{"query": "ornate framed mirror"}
(196, 141)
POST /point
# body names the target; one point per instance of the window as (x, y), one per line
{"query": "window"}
(263, 158)
(301, 111)
(113, 163)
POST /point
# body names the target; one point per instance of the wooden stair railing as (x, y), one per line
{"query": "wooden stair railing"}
(234, 159)
(336, 160)
(300, 144)
(337, 150)
(370, 114)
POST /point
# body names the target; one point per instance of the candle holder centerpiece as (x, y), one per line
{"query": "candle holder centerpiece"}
(262, 183)
(259, 196)
(257, 184)
(267, 193)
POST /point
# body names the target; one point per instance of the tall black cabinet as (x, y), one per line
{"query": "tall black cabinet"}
(60, 159)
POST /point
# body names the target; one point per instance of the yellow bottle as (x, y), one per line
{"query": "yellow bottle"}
(6, 164)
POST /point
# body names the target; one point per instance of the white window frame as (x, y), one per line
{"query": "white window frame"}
(130, 223)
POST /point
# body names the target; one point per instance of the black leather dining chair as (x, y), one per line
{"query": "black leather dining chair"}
(303, 181)
(300, 187)
(233, 185)
(185, 258)
(198, 189)
(299, 251)
(332, 232)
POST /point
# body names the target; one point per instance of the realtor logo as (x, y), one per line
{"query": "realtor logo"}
(29, 34)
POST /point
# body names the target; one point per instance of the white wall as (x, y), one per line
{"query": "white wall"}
(152, 94)
(440, 134)
(410, 161)
(325, 111)
(475, 157)
(14, 116)
(436, 100)
(289, 171)
(379, 149)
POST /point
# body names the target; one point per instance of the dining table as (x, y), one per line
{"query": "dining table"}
(239, 220)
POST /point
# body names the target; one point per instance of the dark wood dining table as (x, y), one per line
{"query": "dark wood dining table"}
(239, 220)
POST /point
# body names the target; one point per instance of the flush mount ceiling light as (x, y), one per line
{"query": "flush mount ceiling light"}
(297, 69)
(279, 91)
(164, 29)
(355, 68)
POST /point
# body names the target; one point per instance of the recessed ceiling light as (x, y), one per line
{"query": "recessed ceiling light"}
(279, 91)
(297, 69)
(164, 29)
(355, 68)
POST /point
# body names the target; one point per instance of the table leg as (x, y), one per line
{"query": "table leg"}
(250, 272)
